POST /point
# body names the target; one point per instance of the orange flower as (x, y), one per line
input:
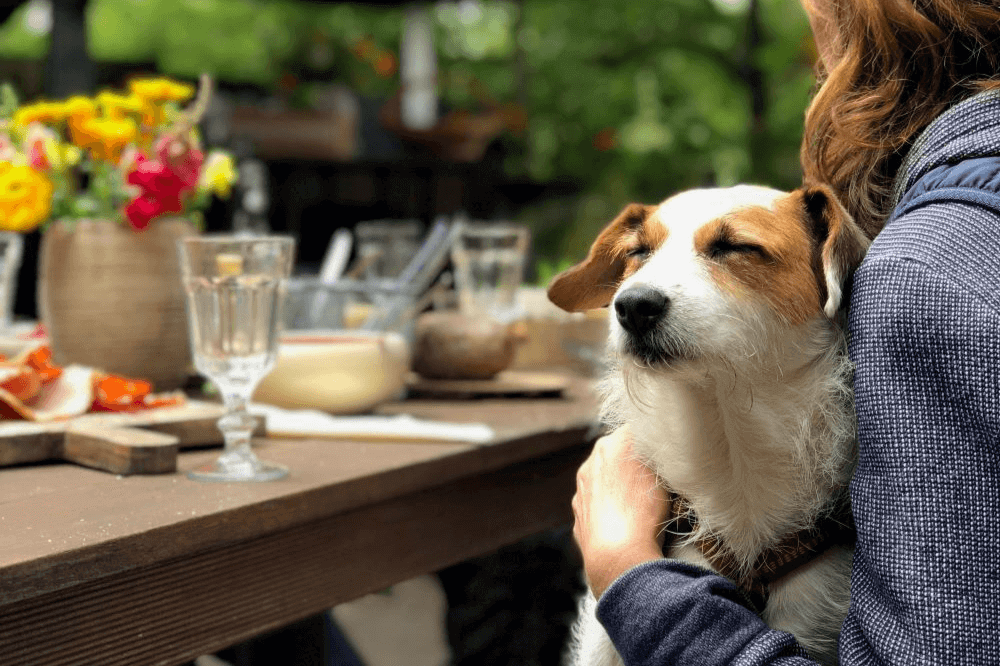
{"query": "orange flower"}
(153, 115)
(79, 109)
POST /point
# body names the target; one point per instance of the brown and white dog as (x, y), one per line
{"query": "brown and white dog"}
(728, 365)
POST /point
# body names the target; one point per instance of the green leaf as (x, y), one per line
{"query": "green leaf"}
(8, 100)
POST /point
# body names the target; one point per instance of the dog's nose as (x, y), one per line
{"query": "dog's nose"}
(639, 308)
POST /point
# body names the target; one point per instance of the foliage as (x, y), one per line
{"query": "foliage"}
(638, 100)
(25, 35)
(629, 99)
(133, 156)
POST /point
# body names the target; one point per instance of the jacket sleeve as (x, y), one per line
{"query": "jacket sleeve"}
(670, 612)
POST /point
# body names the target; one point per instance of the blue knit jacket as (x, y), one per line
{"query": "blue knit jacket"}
(924, 326)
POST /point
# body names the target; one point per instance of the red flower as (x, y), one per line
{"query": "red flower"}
(162, 182)
(181, 158)
(143, 209)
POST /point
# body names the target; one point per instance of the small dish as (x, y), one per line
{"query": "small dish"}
(451, 345)
(340, 372)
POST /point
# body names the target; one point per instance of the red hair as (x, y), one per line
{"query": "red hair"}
(898, 65)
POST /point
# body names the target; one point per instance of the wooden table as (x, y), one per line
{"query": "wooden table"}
(101, 569)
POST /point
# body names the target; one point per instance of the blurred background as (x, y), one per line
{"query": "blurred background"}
(551, 114)
(548, 113)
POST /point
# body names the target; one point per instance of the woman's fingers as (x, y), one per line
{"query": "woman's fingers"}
(619, 507)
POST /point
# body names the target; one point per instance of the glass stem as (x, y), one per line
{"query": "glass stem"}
(237, 425)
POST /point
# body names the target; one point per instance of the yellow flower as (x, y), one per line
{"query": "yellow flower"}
(79, 107)
(25, 197)
(105, 138)
(218, 174)
(154, 95)
(152, 116)
(78, 110)
(120, 106)
(61, 155)
(161, 90)
(16, 159)
(40, 112)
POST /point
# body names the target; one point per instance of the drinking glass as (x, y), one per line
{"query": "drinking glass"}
(385, 247)
(234, 287)
(489, 261)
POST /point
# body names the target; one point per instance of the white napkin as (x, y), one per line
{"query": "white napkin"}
(401, 427)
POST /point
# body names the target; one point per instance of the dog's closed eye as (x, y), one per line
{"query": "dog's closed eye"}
(726, 244)
(640, 252)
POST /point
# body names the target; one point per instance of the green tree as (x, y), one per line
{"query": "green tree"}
(630, 100)
(636, 100)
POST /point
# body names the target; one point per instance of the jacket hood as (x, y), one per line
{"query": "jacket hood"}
(970, 129)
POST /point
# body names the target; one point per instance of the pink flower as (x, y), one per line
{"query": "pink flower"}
(7, 149)
(37, 157)
(182, 158)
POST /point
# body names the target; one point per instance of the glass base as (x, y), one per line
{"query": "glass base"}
(238, 466)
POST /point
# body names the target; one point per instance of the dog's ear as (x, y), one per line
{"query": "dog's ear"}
(592, 283)
(840, 243)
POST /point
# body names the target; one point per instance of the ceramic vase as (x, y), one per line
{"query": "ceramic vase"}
(111, 298)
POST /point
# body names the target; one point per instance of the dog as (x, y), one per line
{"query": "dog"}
(727, 362)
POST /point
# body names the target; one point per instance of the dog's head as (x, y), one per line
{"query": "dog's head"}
(713, 272)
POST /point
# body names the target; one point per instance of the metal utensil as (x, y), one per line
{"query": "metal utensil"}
(416, 277)
(334, 263)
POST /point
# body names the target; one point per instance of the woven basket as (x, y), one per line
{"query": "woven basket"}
(111, 298)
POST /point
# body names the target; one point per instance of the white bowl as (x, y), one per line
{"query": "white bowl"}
(341, 372)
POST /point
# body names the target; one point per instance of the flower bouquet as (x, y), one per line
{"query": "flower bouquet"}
(125, 156)
(94, 171)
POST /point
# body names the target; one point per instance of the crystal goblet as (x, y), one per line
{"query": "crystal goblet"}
(234, 287)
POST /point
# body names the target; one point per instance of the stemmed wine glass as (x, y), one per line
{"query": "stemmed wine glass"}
(235, 286)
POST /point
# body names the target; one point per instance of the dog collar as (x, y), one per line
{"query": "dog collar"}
(835, 527)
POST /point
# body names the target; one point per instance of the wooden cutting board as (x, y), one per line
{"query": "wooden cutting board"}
(130, 443)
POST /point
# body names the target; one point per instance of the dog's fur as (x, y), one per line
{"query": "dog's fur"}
(739, 394)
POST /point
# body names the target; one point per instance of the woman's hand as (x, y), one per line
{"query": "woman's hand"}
(619, 509)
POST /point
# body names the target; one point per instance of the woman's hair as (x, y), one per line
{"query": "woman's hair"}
(898, 64)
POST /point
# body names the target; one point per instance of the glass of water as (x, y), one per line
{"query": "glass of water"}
(234, 287)
(489, 261)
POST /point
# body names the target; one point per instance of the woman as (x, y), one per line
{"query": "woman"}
(906, 127)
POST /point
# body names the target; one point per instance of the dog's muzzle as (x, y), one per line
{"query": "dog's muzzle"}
(642, 313)
(639, 309)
